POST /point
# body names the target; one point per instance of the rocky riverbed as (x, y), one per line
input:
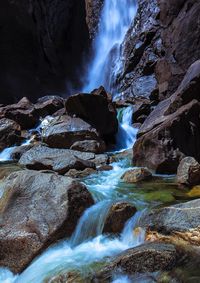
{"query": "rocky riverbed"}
(100, 185)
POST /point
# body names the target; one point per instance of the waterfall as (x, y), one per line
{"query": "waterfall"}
(126, 133)
(91, 223)
(64, 257)
(115, 20)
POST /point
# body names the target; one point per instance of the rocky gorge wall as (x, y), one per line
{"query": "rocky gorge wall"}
(39, 40)
(161, 44)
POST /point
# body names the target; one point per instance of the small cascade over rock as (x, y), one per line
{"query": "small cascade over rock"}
(126, 136)
(114, 22)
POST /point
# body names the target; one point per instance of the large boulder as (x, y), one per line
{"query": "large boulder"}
(117, 216)
(176, 218)
(59, 160)
(96, 109)
(23, 113)
(48, 105)
(150, 257)
(37, 209)
(162, 147)
(10, 133)
(188, 172)
(65, 131)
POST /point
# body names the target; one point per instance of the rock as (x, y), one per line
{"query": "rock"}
(20, 150)
(117, 216)
(48, 105)
(140, 110)
(73, 173)
(188, 172)
(150, 257)
(177, 136)
(37, 209)
(97, 110)
(10, 133)
(136, 175)
(7, 169)
(105, 168)
(22, 113)
(93, 11)
(63, 132)
(101, 159)
(180, 217)
(59, 160)
(90, 146)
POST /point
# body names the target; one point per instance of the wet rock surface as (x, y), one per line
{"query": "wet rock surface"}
(36, 210)
(118, 215)
(145, 258)
(65, 131)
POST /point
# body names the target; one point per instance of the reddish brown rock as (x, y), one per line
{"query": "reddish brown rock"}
(136, 175)
(117, 216)
(22, 112)
(48, 105)
(162, 147)
(95, 109)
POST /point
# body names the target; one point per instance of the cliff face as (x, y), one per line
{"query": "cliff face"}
(42, 43)
(161, 44)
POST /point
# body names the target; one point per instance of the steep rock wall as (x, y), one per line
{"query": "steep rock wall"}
(42, 43)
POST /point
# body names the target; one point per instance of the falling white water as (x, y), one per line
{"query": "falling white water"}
(126, 136)
(5, 155)
(64, 257)
(115, 20)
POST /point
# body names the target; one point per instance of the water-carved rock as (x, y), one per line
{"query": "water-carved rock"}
(117, 216)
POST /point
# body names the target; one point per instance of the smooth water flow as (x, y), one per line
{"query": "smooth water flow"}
(115, 20)
(126, 136)
(64, 257)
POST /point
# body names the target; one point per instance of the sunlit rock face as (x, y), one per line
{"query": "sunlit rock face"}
(39, 40)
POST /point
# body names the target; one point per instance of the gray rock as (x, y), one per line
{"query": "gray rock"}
(63, 132)
(59, 160)
(188, 172)
(37, 209)
(180, 217)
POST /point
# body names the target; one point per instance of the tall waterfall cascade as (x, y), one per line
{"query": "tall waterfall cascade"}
(115, 20)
